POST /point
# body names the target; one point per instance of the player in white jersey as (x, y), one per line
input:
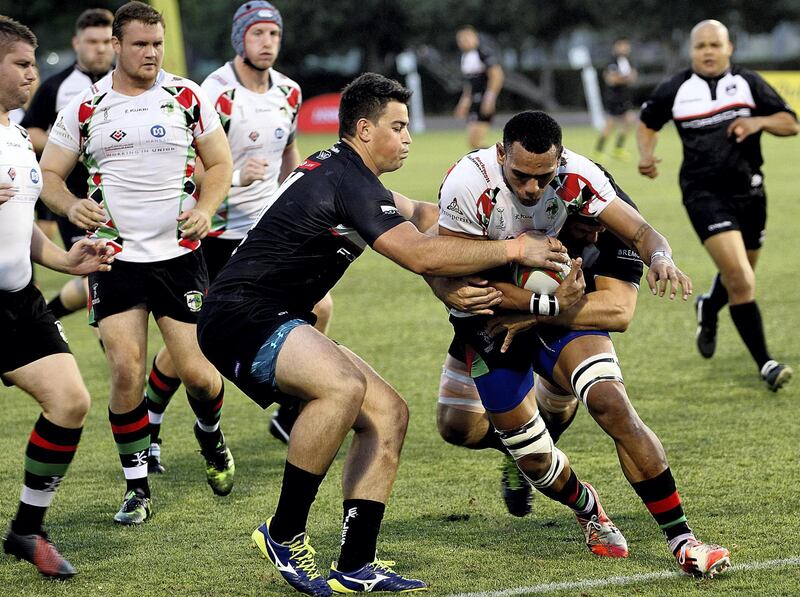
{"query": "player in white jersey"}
(258, 108)
(34, 355)
(139, 131)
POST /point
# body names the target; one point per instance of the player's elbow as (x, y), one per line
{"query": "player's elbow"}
(621, 318)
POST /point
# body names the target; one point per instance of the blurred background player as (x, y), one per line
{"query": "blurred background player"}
(140, 112)
(34, 355)
(93, 57)
(258, 108)
(618, 75)
(483, 80)
(721, 114)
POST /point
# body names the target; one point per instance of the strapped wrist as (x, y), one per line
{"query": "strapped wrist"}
(236, 179)
(544, 304)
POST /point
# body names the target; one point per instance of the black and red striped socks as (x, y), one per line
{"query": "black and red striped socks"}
(661, 498)
(159, 391)
(132, 435)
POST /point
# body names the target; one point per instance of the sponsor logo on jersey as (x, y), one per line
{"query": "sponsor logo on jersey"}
(279, 133)
(756, 181)
(389, 209)
(34, 176)
(454, 207)
(719, 225)
(552, 208)
(730, 89)
(118, 135)
(324, 154)
(131, 110)
(12, 174)
(194, 300)
(253, 136)
(61, 333)
(501, 222)
(158, 131)
(105, 114)
(309, 165)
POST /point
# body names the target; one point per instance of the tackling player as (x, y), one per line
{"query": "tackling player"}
(137, 115)
(34, 355)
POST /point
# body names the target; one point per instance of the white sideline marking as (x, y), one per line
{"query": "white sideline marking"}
(621, 580)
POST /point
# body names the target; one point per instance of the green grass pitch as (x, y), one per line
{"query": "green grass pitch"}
(731, 443)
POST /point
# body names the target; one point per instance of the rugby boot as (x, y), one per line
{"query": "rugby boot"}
(706, 335)
(282, 421)
(220, 467)
(702, 559)
(39, 551)
(776, 375)
(154, 466)
(602, 537)
(517, 492)
(373, 577)
(135, 509)
(294, 561)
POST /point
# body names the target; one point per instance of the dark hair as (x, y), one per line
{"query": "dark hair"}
(134, 11)
(536, 131)
(365, 97)
(11, 32)
(94, 17)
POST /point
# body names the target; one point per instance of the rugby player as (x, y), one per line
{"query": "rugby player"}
(529, 181)
(618, 75)
(34, 355)
(138, 131)
(256, 328)
(720, 111)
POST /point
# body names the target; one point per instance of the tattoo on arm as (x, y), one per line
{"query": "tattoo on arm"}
(643, 229)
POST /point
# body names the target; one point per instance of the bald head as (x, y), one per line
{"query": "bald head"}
(710, 48)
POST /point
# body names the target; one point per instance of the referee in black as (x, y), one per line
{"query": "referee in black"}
(720, 112)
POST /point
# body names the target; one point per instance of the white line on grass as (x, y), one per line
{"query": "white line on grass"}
(621, 580)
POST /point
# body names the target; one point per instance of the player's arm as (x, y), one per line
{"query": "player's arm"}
(289, 161)
(494, 84)
(646, 140)
(780, 124)
(38, 139)
(451, 256)
(422, 214)
(629, 226)
(609, 308)
(214, 151)
(56, 164)
(85, 256)
(462, 107)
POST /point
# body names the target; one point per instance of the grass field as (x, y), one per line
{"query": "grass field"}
(732, 444)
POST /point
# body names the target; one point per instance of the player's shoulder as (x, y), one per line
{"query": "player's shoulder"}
(672, 83)
(166, 79)
(53, 82)
(90, 95)
(279, 79)
(575, 163)
(221, 79)
(478, 169)
(20, 130)
(747, 74)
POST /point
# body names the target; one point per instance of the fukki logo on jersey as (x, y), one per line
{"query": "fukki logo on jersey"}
(194, 300)
(34, 176)
(12, 174)
(253, 136)
(118, 135)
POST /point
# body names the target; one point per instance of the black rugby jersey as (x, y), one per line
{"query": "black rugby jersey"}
(320, 220)
(55, 93)
(474, 65)
(703, 109)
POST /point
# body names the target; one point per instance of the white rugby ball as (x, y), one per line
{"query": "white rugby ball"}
(541, 280)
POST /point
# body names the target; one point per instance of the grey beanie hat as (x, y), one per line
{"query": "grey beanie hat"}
(248, 14)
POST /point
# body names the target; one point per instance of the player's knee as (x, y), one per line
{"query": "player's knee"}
(598, 368)
(609, 405)
(69, 406)
(127, 377)
(349, 388)
(532, 447)
(202, 383)
(455, 426)
(740, 284)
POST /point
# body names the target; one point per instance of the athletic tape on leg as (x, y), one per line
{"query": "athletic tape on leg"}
(533, 438)
(597, 368)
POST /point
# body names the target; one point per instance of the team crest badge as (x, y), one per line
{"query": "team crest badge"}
(552, 208)
(194, 300)
(168, 107)
(253, 136)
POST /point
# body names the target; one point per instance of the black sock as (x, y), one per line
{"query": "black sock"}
(57, 308)
(298, 492)
(747, 319)
(207, 425)
(620, 141)
(360, 527)
(132, 435)
(661, 498)
(715, 299)
(158, 392)
(601, 143)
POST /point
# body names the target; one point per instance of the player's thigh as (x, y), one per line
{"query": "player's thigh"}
(180, 339)
(728, 252)
(575, 354)
(124, 336)
(311, 366)
(56, 384)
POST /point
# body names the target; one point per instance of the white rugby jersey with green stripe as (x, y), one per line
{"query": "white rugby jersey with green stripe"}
(258, 125)
(140, 153)
(18, 168)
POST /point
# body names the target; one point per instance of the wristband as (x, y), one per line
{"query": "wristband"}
(544, 304)
(236, 179)
(662, 255)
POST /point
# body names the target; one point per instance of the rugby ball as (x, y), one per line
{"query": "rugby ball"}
(541, 280)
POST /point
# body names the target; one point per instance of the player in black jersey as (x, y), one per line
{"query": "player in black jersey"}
(93, 58)
(618, 75)
(256, 328)
(720, 111)
(574, 359)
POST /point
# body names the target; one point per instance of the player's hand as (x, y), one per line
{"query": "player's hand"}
(89, 255)
(663, 272)
(471, 294)
(648, 168)
(538, 250)
(195, 224)
(6, 192)
(573, 286)
(87, 214)
(741, 128)
(488, 105)
(510, 325)
(254, 169)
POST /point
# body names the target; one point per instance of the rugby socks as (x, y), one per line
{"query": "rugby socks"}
(661, 498)
(48, 455)
(620, 141)
(747, 319)
(159, 391)
(132, 435)
(601, 143)
(298, 492)
(360, 527)
(57, 308)
(208, 414)
(715, 299)
(574, 495)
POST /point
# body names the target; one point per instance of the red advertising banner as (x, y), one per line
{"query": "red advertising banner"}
(319, 114)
